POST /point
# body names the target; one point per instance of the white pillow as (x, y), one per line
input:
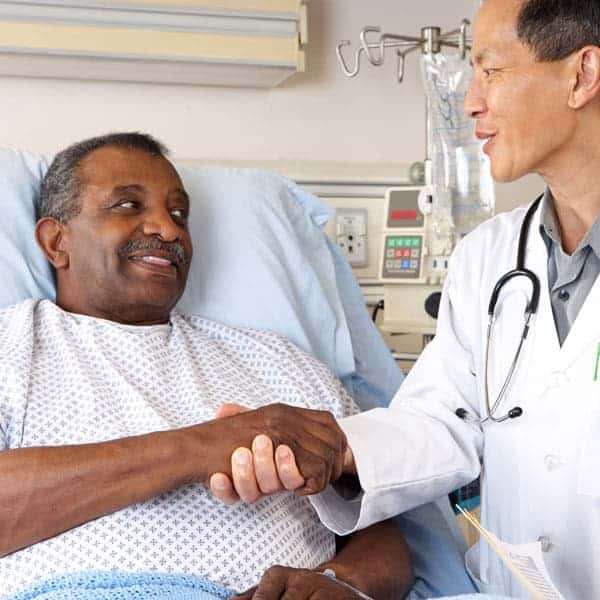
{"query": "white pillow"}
(261, 260)
(24, 270)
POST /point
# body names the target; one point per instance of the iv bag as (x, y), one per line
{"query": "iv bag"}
(460, 171)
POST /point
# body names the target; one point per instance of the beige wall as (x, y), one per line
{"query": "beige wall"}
(318, 116)
(509, 195)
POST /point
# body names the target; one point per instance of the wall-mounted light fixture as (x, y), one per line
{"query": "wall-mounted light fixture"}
(242, 43)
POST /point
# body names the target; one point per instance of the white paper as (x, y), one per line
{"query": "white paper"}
(525, 561)
(528, 560)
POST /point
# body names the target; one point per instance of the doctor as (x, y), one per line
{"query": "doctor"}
(535, 97)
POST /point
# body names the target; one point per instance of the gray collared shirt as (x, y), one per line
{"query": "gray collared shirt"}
(570, 278)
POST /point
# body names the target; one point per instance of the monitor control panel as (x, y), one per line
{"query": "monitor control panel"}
(403, 256)
(404, 245)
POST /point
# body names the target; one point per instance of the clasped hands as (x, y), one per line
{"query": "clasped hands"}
(288, 448)
(303, 452)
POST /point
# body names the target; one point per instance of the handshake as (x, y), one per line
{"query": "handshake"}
(253, 453)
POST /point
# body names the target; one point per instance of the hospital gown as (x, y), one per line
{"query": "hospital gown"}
(72, 379)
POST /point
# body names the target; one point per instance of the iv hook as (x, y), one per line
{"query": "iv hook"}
(462, 39)
(375, 61)
(401, 64)
(342, 61)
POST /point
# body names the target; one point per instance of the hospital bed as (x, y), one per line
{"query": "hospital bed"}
(261, 259)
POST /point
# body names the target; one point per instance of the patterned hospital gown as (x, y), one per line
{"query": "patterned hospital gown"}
(71, 379)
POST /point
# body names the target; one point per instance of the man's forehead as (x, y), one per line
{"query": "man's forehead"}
(112, 166)
(501, 9)
(495, 28)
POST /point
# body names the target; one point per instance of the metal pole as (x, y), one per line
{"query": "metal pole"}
(432, 45)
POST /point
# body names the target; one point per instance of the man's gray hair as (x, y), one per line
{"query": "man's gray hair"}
(62, 184)
(553, 29)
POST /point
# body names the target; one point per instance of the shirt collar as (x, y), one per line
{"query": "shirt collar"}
(138, 329)
(593, 237)
(550, 228)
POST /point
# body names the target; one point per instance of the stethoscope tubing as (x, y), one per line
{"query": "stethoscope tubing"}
(530, 311)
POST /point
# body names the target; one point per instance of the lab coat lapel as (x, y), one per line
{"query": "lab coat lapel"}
(585, 330)
(536, 260)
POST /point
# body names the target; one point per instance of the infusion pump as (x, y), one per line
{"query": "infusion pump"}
(390, 238)
(413, 261)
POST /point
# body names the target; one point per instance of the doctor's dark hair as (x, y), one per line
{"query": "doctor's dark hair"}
(553, 29)
(62, 184)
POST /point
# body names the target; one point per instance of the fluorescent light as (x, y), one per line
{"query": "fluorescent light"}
(202, 40)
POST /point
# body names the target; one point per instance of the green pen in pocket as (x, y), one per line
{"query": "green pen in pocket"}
(597, 367)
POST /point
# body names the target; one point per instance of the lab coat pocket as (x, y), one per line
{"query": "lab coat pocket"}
(473, 566)
(588, 463)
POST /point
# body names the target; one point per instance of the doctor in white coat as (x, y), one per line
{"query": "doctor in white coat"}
(535, 97)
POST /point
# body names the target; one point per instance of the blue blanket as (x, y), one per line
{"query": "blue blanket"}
(95, 585)
(478, 597)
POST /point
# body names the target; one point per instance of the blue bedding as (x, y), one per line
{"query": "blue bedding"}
(124, 586)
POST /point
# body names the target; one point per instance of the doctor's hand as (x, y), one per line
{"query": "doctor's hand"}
(296, 584)
(263, 471)
(305, 458)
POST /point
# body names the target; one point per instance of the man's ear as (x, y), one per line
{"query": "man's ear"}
(51, 237)
(586, 80)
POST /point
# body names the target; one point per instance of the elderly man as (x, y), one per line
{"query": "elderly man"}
(108, 397)
(510, 387)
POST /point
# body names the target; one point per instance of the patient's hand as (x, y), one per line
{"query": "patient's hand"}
(260, 472)
(316, 448)
(296, 584)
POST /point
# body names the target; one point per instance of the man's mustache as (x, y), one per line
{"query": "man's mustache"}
(175, 249)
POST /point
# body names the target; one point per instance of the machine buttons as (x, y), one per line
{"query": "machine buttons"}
(407, 252)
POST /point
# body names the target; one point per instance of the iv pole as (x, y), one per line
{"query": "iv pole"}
(431, 41)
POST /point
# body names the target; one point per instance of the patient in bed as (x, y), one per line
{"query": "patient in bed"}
(108, 400)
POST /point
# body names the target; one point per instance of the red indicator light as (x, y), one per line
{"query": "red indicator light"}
(404, 215)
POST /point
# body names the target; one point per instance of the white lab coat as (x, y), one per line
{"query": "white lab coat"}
(541, 472)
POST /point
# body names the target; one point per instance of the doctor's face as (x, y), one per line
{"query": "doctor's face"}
(519, 103)
(129, 248)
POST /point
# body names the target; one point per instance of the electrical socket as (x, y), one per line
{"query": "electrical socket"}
(351, 234)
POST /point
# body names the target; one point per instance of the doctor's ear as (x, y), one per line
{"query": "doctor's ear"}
(51, 236)
(586, 79)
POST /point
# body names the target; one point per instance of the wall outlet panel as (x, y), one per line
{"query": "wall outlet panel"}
(351, 235)
(375, 208)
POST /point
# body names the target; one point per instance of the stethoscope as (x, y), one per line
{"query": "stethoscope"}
(530, 310)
